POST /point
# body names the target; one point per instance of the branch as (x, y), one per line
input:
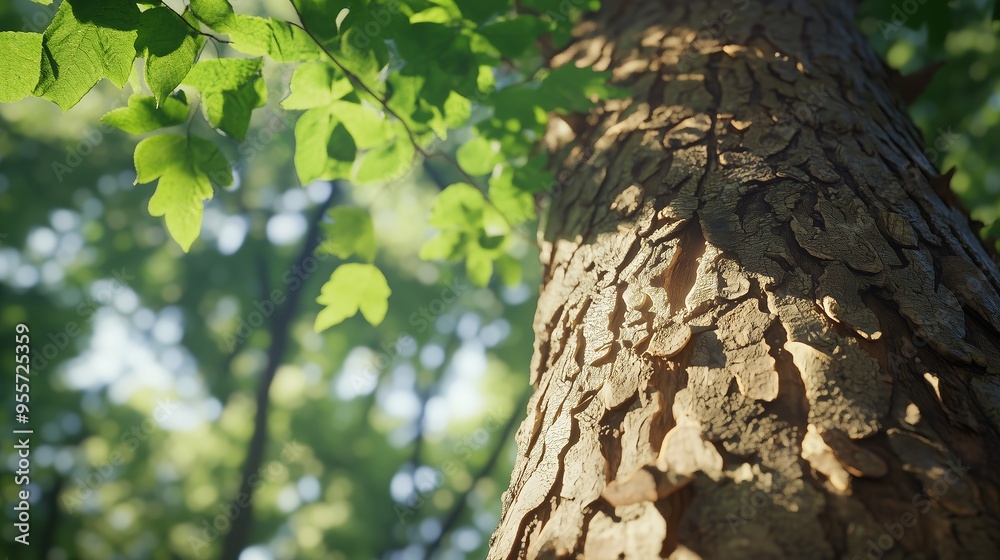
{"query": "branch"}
(280, 326)
(484, 471)
(385, 106)
(196, 30)
(425, 394)
(52, 524)
(354, 77)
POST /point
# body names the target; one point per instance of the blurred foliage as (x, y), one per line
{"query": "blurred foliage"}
(143, 410)
(959, 111)
(146, 360)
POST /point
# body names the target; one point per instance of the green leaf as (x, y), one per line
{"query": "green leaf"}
(569, 88)
(86, 41)
(368, 128)
(321, 17)
(479, 268)
(470, 228)
(213, 12)
(365, 62)
(230, 90)
(434, 14)
(142, 115)
(458, 206)
(249, 34)
(387, 162)
(289, 43)
(312, 132)
(352, 288)
(340, 146)
(457, 111)
(532, 175)
(515, 203)
(350, 233)
(446, 245)
(170, 47)
(186, 167)
(19, 64)
(257, 36)
(315, 84)
(514, 36)
(520, 107)
(323, 147)
(477, 156)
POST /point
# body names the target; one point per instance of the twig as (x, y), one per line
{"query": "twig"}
(196, 30)
(236, 539)
(484, 471)
(354, 78)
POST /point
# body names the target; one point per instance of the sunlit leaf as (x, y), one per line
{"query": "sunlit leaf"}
(230, 90)
(19, 64)
(479, 268)
(86, 41)
(142, 115)
(315, 84)
(515, 203)
(350, 233)
(570, 88)
(459, 206)
(365, 124)
(170, 45)
(324, 148)
(186, 167)
(352, 288)
(387, 162)
(477, 156)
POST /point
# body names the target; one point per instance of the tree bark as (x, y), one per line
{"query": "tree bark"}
(761, 332)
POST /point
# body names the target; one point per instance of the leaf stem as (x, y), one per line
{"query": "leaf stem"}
(189, 24)
(354, 78)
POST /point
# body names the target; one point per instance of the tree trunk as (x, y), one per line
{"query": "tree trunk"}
(761, 332)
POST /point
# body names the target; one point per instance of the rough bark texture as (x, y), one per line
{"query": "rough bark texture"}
(761, 332)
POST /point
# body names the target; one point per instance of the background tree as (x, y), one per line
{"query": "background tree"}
(180, 379)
